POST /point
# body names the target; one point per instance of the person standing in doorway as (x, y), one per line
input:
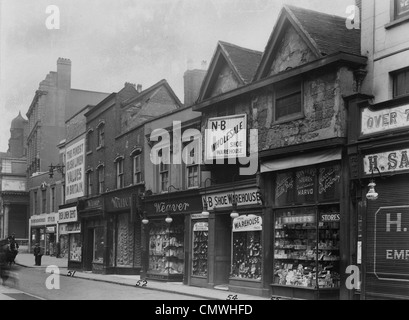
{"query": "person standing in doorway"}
(37, 254)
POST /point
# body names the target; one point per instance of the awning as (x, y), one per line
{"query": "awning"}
(301, 160)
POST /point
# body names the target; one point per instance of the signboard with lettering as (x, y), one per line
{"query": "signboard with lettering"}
(284, 188)
(391, 247)
(384, 120)
(329, 179)
(67, 215)
(305, 185)
(308, 218)
(247, 223)
(201, 226)
(74, 170)
(392, 161)
(43, 219)
(95, 203)
(73, 227)
(224, 200)
(226, 137)
(184, 205)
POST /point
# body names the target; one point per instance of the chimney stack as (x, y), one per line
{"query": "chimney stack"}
(139, 88)
(64, 73)
(192, 83)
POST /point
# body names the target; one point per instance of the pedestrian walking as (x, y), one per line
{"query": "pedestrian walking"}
(37, 255)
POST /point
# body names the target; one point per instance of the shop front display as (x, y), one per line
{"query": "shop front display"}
(306, 260)
(246, 248)
(43, 231)
(200, 248)
(166, 250)
(70, 244)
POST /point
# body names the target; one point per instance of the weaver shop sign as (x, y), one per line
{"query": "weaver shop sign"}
(391, 247)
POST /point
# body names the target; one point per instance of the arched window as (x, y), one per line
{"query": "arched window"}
(100, 178)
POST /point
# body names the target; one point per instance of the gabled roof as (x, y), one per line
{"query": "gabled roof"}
(323, 33)
(242, 61)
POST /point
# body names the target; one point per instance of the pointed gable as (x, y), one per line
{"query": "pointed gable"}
(231, 67)
(301, 36)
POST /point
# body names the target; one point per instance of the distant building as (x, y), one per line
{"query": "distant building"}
(14, 199)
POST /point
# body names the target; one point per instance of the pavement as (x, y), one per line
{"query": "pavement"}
(27, 260)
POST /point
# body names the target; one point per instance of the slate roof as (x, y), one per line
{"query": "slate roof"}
(329, 32)
(244, 60)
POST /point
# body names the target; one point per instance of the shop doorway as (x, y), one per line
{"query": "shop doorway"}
(222, 249)
(89, 250)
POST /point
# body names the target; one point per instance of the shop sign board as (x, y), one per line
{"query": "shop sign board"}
(185, 205)
(43, 219)
(75, 170)
(247, 223)
(50, 229)
(225, 199)
(95, 203)
(392, 161)
(226, 137)
(68, 215)
(62, 229)
(201, 226)
(384, 120)
(391, 243)
(308, 218)
(74, 227)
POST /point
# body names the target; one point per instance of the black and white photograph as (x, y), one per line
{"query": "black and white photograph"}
(204, 157)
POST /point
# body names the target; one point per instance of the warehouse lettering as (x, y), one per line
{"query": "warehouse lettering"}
(247, 222)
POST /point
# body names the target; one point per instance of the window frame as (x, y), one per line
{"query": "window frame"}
(137, 165)
(101, 135)
(120, 179)
(100, 182)
(164, 169)
(89, 182)
(395, 75)
(88, 141)
(284, 90)
(43, 201)
(394, 11)
(52, 198)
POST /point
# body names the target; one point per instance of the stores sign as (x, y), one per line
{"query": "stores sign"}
(384, 120)
(74, 167)
(226, 137)
(247, 223)
(387, 161)
(391, 247)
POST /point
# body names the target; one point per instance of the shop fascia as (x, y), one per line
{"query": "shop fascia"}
(245, 197)
(44, 219)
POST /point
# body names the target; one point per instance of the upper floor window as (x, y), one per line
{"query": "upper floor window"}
(120, 173)
(89, 182)
(401, 8)
(101, 179)
(35, 203)
(137, 169)
(164, 176)
(44, 201)
(401, 82)
(101, 135)
(52, 190)
(288, 101)
(88, 141)
(192, 171)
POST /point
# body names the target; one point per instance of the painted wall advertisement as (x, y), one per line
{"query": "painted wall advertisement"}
(75, 169)
(387, 161)
(226, 137)
(391, 247)
(383, 120)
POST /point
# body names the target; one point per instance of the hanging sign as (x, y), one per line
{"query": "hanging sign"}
(384, 120)
(387, 161)
(391, 243)
(247, 223)
(226, 137)
(201, 226)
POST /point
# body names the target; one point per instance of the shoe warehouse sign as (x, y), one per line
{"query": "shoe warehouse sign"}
(247, 223)
(226, 137)
(392, 161)
(225, 200)
(391, 246)
(384, 120)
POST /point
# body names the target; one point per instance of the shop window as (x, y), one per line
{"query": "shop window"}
(101, 135)
(200, 249)
(101, 178)
(288, 102)
(166, 250)
(400, 83)
(75, 247)
(401, 8)
(137, 169)
(306, 247)
(119, 173)
(247, 257)
(99, 238)
(164, 176)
